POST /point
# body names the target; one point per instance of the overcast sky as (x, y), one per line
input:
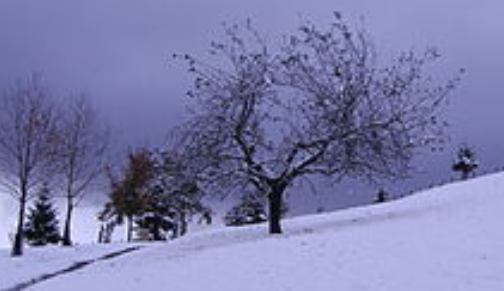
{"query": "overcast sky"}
(119, 52)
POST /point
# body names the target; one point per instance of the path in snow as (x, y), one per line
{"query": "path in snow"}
(74, 267)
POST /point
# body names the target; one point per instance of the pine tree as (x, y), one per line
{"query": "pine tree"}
(157, 219)
(42, 225)
(466, 162)
(250, 210)
(382, 196)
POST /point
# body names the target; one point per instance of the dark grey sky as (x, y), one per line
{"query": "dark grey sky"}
(119, 51)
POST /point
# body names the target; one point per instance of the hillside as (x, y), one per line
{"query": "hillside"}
(449, 238)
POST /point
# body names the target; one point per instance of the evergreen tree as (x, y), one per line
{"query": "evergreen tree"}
(42, 225)
(157, 219)
(466, 162)
(250, 210)
(128, 195)
(382, 196)
(154, 227)
(176, 188)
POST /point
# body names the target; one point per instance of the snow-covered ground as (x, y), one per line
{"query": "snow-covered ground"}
(41, 261)
(7, 214)
(449, 238)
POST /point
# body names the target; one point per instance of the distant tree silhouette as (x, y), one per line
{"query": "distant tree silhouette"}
(466, 162)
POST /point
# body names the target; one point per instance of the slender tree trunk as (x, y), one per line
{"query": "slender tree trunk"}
(101, 233)
(156, 232)
(130, 228)
(183, 223)
(175, 230)
(275, 208)
(67, 232)
(17, 248)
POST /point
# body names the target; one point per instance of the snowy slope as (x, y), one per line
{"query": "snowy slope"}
(449, 238)
(41, 261)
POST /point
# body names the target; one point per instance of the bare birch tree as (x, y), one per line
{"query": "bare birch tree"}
(321, 105)
(27, 126)
(81, 156)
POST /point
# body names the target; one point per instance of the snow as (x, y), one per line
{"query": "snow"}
(7, 214)
(41, 261)
(448, 238)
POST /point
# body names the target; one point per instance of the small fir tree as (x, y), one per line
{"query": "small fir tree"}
(42, 227)
(382, 196)
(466, 162)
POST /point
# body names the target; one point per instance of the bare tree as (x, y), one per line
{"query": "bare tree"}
(26, 144)
(320, 105)
(83, 145)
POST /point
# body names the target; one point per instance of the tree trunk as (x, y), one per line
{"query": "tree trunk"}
(175, 231)
(275, 208)
(183, 224)
(67, 232)
(101, 234)
(130, 229)
(17, 248)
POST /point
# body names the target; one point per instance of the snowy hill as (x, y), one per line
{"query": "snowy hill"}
(449, 238)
